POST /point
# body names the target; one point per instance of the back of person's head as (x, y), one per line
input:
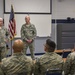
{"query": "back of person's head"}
(51, 45)
(18, 45)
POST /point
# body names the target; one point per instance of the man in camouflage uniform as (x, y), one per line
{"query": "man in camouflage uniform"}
(18, 63)
(28, 35)
(49, 61)
(3, 39)
(69, 67)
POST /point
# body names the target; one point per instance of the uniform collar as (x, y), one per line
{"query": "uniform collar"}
(18, 53)
(50, 53)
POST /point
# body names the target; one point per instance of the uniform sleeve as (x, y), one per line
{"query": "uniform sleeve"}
(23, 34)
(2, 68)
(37, 68)
(67, 65)
(7, 34)
(34, 32)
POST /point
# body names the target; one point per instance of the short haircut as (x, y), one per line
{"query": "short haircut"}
(18, 45)
(51, 44)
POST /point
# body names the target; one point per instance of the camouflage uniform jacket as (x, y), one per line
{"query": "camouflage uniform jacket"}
(50, 60)
(3, 37)
(69, 67)
(28, 32)
(17, 63)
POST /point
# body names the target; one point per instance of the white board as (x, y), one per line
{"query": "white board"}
(38, 6)
(41, 22)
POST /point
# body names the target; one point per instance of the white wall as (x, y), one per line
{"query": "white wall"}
(1, 8)
(63, 9)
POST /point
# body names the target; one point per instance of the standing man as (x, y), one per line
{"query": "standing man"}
(3, 39)
(28, 35)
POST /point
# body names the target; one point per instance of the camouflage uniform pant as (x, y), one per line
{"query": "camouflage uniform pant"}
(2, 52)
(31, 47)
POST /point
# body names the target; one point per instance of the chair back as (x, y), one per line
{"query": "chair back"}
(22, 73)
(55, 71)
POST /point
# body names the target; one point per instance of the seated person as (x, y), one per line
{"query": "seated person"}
(50, 60)
(69, 67)
(17, 63)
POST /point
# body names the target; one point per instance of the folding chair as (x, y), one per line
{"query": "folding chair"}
(22, 73)
(55, 71)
